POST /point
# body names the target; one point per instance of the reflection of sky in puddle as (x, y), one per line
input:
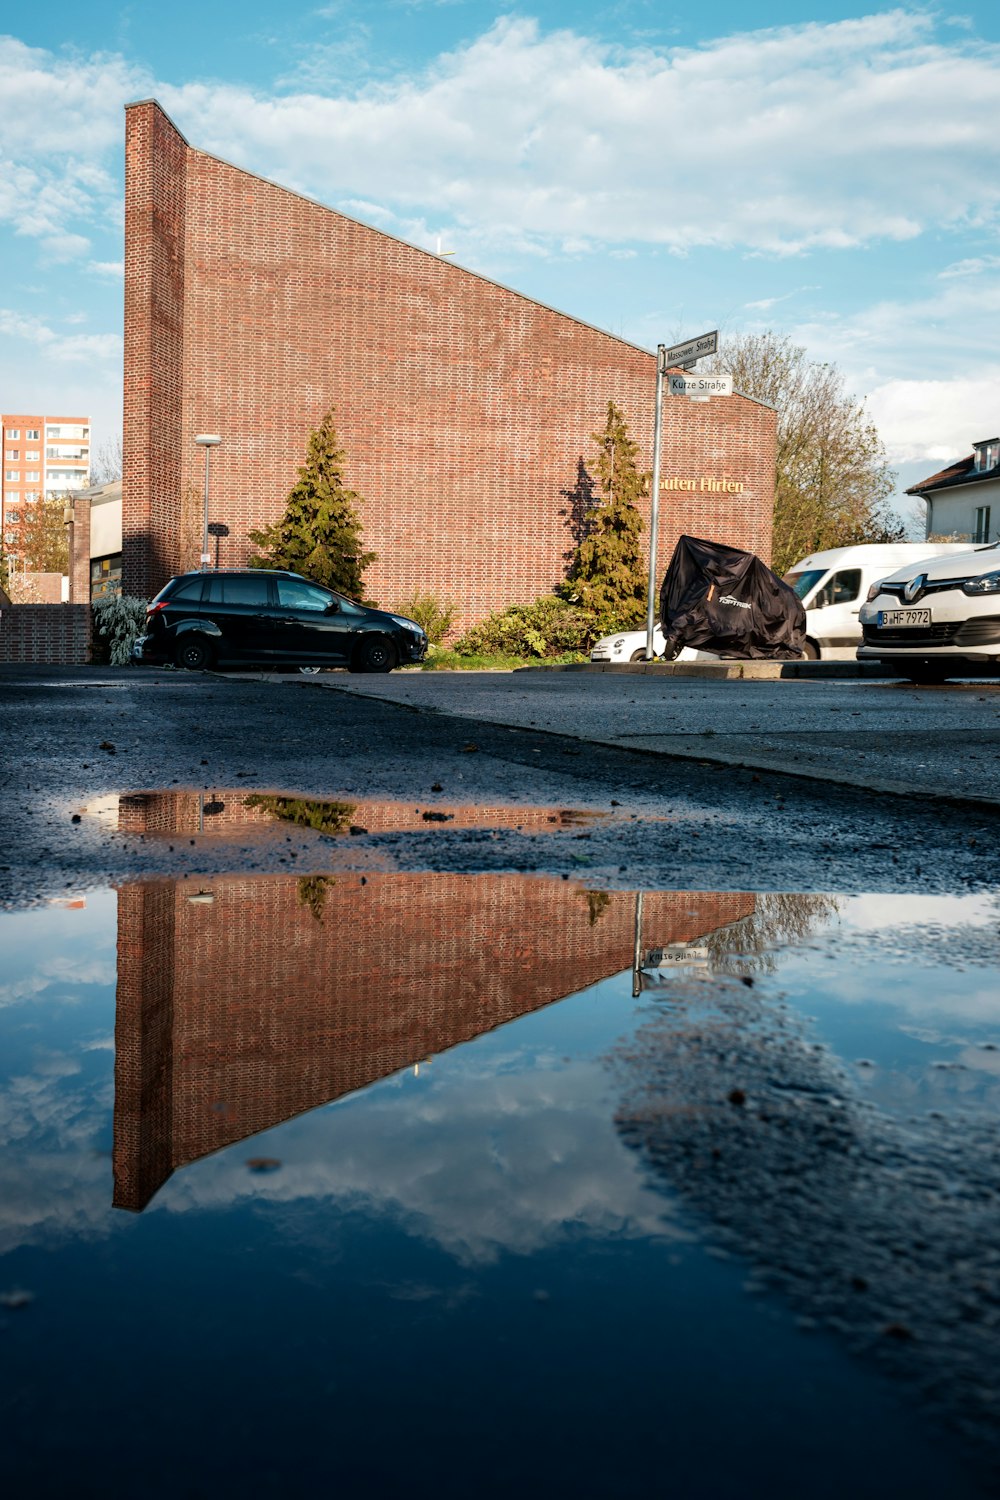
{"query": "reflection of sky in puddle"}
(467, 1234)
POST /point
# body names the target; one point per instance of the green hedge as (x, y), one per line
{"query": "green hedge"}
(549, 627)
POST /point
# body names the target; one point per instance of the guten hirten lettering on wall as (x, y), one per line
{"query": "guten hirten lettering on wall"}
(705, 483)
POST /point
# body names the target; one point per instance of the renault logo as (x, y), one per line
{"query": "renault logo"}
(915, 587)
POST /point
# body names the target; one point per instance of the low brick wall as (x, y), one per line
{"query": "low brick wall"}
(49, 634)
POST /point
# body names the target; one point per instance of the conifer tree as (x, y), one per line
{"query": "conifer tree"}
(319, 534)
(608, 573)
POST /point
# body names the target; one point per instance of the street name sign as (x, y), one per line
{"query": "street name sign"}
(700, 385)
(691, 349)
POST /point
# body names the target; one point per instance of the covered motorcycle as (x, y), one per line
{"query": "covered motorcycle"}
(726, 601)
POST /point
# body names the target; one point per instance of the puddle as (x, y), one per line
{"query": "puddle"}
(678, 1183)
(247, 816)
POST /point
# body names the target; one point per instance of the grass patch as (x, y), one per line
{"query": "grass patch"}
(443, 660)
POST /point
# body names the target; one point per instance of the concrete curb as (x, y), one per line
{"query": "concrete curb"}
(743, 671)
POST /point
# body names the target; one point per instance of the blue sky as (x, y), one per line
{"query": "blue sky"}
(831, 170)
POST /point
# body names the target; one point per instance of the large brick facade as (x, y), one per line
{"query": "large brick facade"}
(465, 409)
(237, 1012)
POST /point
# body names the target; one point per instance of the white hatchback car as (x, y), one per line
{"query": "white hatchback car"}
(630, 645)
(936, 617)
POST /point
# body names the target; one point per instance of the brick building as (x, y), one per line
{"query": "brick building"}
(465, 408)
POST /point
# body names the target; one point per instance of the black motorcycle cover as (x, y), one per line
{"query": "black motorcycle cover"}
(723, 600)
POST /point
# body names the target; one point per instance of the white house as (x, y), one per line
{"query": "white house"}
(963, 501)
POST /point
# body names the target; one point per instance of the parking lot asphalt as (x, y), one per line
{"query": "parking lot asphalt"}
(940, 742)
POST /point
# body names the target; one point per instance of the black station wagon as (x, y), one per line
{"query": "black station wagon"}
(264, 618)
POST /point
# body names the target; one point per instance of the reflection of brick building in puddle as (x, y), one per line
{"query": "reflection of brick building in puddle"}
(243, 1007)
(222, 814)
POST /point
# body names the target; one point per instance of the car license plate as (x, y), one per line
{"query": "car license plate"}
(901, 618)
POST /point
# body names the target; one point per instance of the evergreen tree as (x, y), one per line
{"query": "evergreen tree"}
(608, 575)
(319, 535)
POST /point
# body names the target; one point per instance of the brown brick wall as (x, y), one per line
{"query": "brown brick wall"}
(152, 477)
(465, 409)
(50, 634)
(235, 1015)
(79, 550)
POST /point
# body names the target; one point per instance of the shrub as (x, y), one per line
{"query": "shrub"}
(119, 619)
(431, 614)
(549, 627)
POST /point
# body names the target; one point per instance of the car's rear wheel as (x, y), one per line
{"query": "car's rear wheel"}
(810, 651)
(375, 654)
(193, 654)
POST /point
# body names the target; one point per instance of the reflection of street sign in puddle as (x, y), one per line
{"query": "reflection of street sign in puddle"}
(674, 955)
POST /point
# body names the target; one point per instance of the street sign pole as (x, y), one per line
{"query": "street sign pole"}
(654, 509)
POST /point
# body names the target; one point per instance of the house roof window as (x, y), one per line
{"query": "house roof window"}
(987, 454)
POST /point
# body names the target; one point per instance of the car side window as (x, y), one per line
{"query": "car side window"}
(842, 588)
(295, 594)
(188, 592)
(238, 588)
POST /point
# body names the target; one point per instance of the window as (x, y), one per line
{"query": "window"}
(842, 588)
(31, 434)
(13, 433)
(14, 453)
(31, 495)
(12, 474)
(982, 524)
(33, 458)
(13, 516)
(189, 590)
(32, 476)
(238, 588)
(295, 595)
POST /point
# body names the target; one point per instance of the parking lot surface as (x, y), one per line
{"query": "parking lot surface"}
(923, 742)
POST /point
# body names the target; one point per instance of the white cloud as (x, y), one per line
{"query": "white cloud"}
(816, 135)
(59, 346)
(936, 419)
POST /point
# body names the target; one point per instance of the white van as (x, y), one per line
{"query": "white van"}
(834, 584)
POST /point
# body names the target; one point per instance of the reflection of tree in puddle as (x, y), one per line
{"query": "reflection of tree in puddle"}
(597, 902)
(323, 817)
(748, 946)
(312, 892)
(885, 1236)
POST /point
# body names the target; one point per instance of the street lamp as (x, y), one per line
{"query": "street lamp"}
(208, 441)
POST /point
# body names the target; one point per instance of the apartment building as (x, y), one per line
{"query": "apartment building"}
(42, 456)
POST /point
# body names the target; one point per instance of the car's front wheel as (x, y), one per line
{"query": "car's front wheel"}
(194, 654)
(375, 654)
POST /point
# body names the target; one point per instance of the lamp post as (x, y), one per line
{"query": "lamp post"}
(208, 441)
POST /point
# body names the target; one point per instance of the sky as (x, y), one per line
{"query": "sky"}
(826, 169)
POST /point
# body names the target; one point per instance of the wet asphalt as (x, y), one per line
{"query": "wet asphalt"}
(77, 738)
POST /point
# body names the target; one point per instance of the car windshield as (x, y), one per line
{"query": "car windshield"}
(804, 583)
(347, 606)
